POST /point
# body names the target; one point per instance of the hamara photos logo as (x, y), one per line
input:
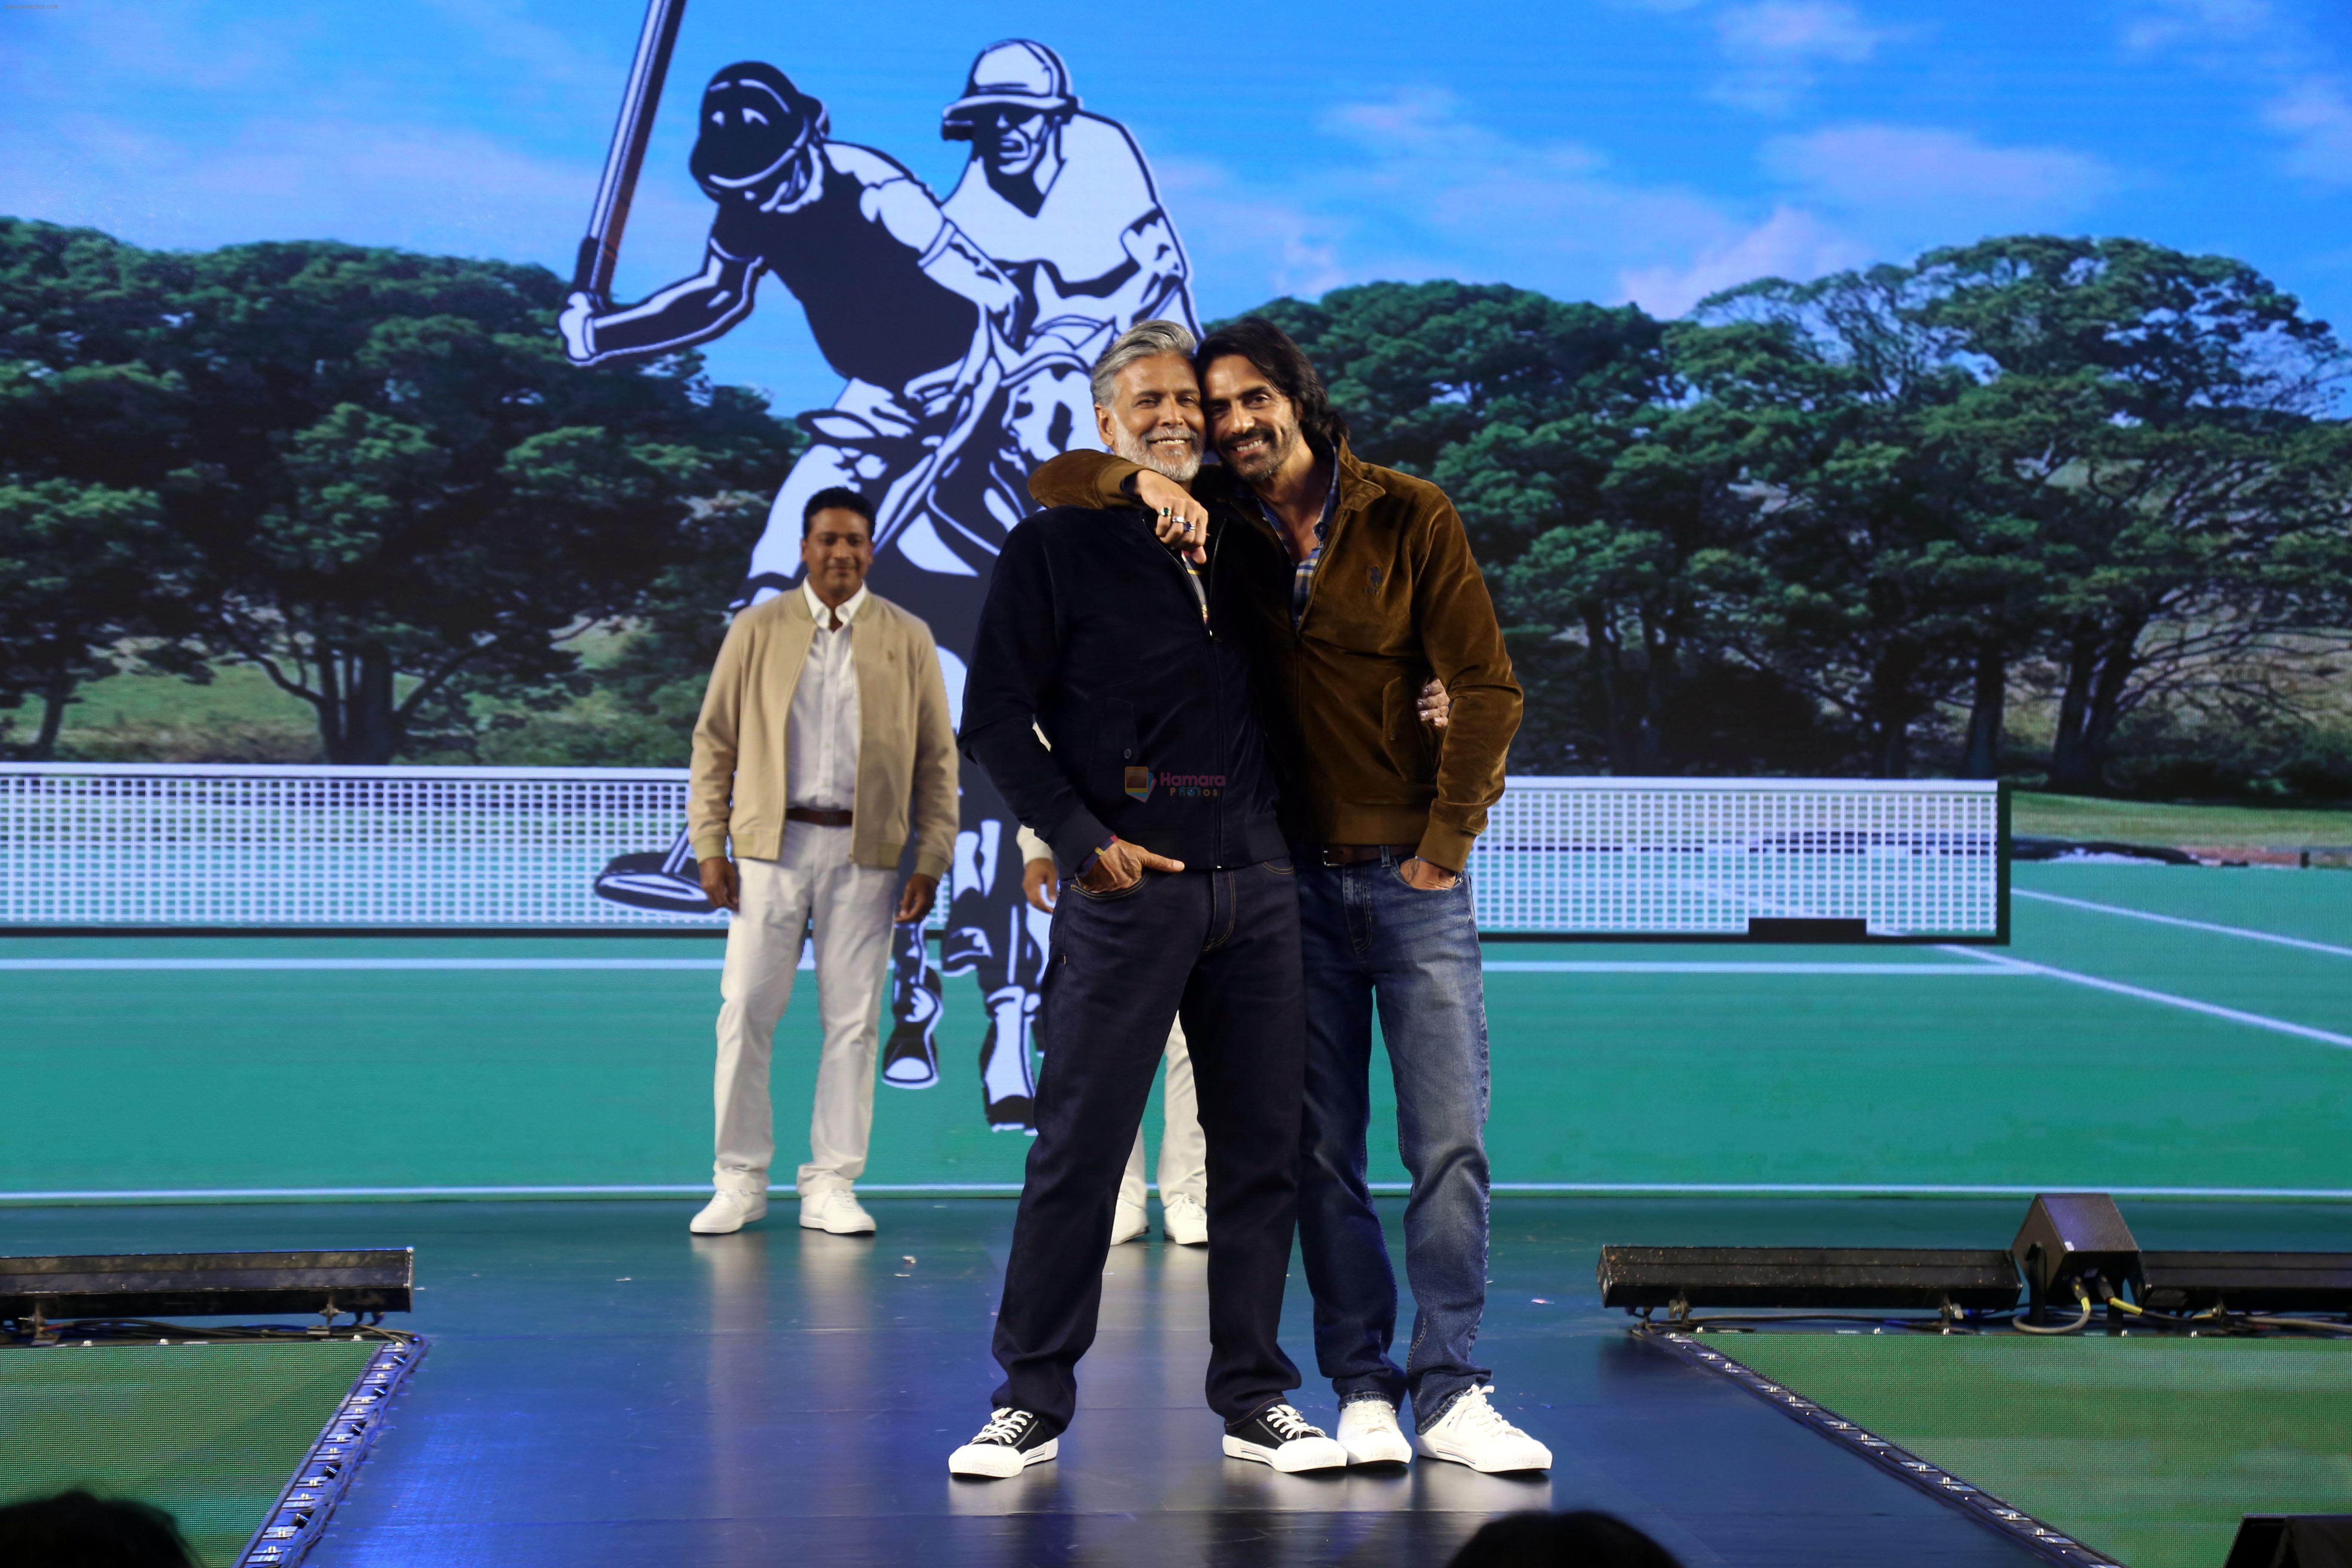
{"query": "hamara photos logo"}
(1140, 781)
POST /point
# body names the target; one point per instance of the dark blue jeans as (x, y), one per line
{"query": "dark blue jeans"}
(1221, 950)
(1371, 939)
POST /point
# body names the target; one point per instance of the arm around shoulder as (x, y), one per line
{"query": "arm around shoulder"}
(1083, 478)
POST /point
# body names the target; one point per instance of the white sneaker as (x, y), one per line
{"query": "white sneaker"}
(1474, 1432)
(1129, 1223)
(1186, 1221)
(835, 1212)
(729, 1211)
(1011, 1442)
(1280, 1436)
(1369, 1431)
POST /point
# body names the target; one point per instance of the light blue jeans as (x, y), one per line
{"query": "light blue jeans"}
(1371, 940)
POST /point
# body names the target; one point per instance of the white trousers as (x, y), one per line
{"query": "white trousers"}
(1184, 1149)
(850, 905)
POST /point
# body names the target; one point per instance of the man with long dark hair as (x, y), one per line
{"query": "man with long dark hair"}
(1373, 591)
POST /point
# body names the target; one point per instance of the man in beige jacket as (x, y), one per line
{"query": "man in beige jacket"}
(824, 732)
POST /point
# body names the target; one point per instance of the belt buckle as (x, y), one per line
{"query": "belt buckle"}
(1334, 854)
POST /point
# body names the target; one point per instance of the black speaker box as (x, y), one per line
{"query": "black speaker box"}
(2067, 1237)
(2293, 1540)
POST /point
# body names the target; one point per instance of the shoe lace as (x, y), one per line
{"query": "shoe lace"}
(1481, 1417)
(1286, 1423)
(1004, 1426)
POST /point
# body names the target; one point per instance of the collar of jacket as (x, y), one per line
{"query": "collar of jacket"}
(1358, 490)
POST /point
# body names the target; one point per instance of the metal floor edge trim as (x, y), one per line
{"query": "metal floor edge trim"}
(2051, 1544)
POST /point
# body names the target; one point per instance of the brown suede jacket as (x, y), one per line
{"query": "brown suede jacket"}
(1396, 599)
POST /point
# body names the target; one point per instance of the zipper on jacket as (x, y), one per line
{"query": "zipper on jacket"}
(1195, 582)
(1192, 581)
(1200, 588)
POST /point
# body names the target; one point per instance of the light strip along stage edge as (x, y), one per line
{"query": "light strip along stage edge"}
(2049, 1545)
(129, 847)
(299, 1518)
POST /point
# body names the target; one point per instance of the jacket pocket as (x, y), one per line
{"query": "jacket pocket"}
(1411, 746)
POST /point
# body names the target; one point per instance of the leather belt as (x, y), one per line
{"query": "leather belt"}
(1357, 854)
(816, 819)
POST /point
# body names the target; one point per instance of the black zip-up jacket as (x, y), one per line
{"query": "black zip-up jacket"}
(1093, 631)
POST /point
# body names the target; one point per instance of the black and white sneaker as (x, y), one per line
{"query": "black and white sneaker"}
(1280, 1436)
(1011, 1442)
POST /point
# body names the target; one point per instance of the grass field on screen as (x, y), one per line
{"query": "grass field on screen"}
(2100, 1050)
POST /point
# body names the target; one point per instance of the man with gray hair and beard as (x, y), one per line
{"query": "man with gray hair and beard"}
(1111, 703)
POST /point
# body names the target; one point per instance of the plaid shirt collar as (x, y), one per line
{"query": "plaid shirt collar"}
(1302, 573)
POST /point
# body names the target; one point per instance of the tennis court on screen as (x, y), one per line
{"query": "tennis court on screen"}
(2151, 1029)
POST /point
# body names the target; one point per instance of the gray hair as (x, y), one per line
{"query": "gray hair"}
(1145, 339)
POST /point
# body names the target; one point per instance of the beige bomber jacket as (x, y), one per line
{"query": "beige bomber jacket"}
(906, 744)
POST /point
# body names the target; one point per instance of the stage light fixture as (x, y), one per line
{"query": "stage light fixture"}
(2183, 1282)
(38, 1290)
(1864, 1278)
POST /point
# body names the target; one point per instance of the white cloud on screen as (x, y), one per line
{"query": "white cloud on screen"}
(503, 29)
(2314, 115)
(1775, 49)
(2151, 25)
(1966, 182)
(1792, 244)
(1431, 193)
(355, 179)
(1279, 246)
(2298, 75)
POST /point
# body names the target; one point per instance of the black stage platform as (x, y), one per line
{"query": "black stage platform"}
(604, 1388)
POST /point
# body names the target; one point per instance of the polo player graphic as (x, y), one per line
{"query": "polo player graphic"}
(963, 331)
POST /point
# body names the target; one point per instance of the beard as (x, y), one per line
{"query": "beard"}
(1164, 457)
(1266, 461)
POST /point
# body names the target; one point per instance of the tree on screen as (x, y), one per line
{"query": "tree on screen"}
(1814, 523)
(380, 481)
(91, 579)
(1520, 406)
(419, 497)
(2192, 495)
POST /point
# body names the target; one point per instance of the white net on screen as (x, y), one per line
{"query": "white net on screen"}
(162, 846)
(137, 846)
(1705, 857)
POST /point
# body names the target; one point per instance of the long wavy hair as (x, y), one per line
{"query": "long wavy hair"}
(1283, 362)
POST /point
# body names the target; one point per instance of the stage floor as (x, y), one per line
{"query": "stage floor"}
(604, 1388)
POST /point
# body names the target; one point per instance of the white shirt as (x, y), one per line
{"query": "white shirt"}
(821, 735)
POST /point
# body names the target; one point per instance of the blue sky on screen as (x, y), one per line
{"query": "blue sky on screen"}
(1644, 150)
